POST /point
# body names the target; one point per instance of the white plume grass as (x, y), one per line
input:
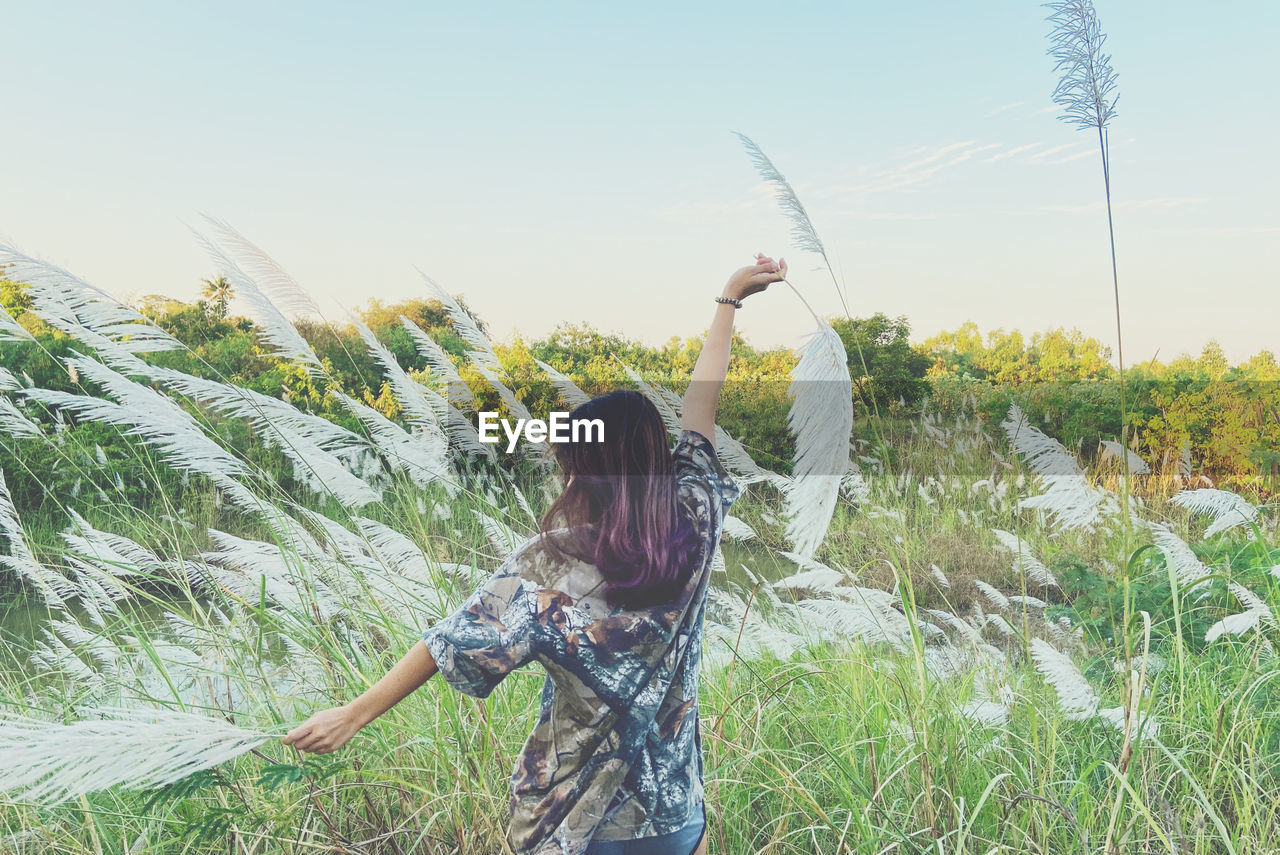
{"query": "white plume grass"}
(11, 330)
(1070, 500)
(1256, 614)
(269, 277)
(569, 391)
(133, 749)
(468, 327)
(70, 304)
(276, 330)
(1025, 563)
(802, 230)
(1116, 451)
(1076, 697)
(1187, 567)
(736, 529)
(458, 392)
(1227, 509)
(504, 538)
(159, 422)
(409, 393)
(53, 587)
(8, 383)
(14, 422)
(821, 420)
(1086, 88)
(423, 459)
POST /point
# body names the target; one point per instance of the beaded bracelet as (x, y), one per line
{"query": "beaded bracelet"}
(737, 304)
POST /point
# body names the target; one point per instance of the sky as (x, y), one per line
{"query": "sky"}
(576, 162)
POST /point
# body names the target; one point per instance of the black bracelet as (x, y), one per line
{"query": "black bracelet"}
(737, 304)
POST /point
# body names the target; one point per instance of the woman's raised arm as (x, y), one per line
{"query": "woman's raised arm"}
(699, 411)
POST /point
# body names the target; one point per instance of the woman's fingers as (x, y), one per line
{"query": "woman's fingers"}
(312, 744)
(297, 733)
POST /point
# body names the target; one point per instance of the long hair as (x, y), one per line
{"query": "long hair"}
(620, 505)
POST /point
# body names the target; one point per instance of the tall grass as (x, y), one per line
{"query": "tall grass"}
(929, 649)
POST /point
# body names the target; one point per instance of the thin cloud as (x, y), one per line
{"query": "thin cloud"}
(699, 212)
(890, 215)
(1052, 108)
(1086, 153)
(1040, 157)
(1157, 203)
(1013, 152)
(998, 110)
(923, 170)
(1237, 231)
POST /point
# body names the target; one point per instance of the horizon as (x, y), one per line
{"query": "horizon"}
(355, 146)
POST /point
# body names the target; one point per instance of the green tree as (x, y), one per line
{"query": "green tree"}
(895, 369)
(217, 294)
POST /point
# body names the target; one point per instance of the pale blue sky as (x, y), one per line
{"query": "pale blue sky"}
(575, 161)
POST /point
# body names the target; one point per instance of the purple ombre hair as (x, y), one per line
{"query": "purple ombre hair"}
(620, 505)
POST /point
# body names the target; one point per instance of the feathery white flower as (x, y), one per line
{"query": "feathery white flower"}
(423, 459)
(802, 230)
(504, 538)
(736, 529)
(967, 630)
(268, 276)
(1069, 498)
(1024, 563)
(159, 421)
(1116, 451)
(15, 423)
(49, 763)
(311, 443)
(821, 420)
(1228, 509)
(1086, 90)
(1075, 696)
(285, 340)
(514, 404)
(458, 392)
(1042, 453)
(814, 576)
(468, 327)
(68, 303)
(854, 485)
(993, 595)
(669, 407)
(1257, 613)
(54, 588)
(568, 390)
(289, 578)
(10, 330)
(409, 393)
(1188, 568)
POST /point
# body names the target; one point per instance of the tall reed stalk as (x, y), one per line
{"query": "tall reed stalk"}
(1087, 94)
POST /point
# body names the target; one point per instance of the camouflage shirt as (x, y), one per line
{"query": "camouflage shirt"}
(616, 752)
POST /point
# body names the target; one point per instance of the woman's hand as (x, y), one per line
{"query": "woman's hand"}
(326, 731)
(755, 278)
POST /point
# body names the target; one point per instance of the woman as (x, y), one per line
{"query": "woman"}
(609, 597)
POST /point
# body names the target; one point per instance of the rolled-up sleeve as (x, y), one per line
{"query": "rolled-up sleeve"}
(489, 636)
(702, 480)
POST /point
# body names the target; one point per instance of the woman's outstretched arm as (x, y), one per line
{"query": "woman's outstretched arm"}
(699, 412)
(329, 730)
